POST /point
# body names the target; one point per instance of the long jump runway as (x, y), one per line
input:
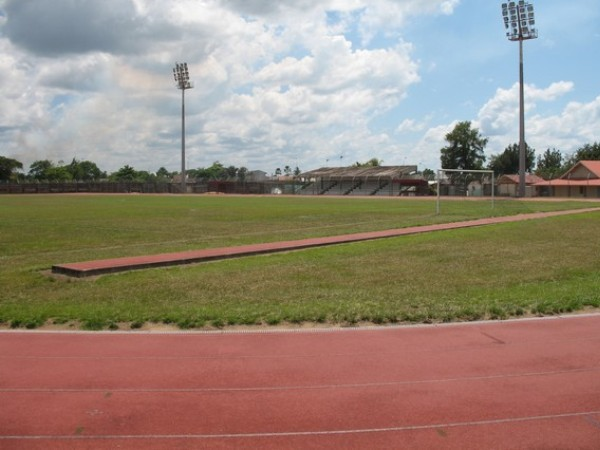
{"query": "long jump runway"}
(529, 383)
(99, 267)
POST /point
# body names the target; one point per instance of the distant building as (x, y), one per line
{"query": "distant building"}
(256, 176)
(581, 181)
(177, 181)
(508, 185)
(365, 181)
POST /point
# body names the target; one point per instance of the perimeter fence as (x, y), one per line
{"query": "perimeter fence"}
(289, 187)
(107, 187)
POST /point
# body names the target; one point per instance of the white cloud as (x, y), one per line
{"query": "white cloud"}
(305, 105)
(500, 114)
(578, 124)
(276, 83)
(410, 125)
(426, 152)
(247, 98)
(498, 120)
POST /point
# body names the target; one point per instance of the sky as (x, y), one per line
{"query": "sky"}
(308, 83)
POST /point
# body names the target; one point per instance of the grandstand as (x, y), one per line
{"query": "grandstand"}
(364, 181)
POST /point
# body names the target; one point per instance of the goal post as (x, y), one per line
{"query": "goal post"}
(458, 176)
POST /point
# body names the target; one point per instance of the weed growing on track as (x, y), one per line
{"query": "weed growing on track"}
(537, 267)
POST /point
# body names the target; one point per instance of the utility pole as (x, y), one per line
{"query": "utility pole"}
(519, 20)
(182, 78)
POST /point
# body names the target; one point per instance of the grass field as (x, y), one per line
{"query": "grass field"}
(536, 267)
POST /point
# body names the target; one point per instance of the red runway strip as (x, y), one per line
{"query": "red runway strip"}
(99, 267)
(514, 384)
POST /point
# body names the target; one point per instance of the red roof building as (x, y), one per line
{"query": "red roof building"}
(509, 185)
(581, 181)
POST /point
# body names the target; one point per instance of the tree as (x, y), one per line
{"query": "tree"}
(215, 172)
(8, 168)
(373, 162)
(144, 176)
(589, 152)
(192, 174)
(125, 173)
(163, 173)
(465, 149)
(550, 164)
(287, 170)
(58, 173)
(46, 170)
(429, 174)
(38, 170)
(231, 172)
(507, 162)
(84, 170)
(297, 171)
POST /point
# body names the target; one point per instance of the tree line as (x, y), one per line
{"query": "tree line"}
(465, 150)
(47, 171)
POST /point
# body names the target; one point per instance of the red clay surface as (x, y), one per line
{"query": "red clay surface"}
(513, 384)
(98, 267)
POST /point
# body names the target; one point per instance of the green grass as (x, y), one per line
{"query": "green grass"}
(545, 266)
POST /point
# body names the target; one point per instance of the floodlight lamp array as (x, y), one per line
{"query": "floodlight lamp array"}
(182, 76)
(519, 20)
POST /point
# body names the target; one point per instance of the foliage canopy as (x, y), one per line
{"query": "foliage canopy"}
(550, 164)
(507, 162)
(8, 168)
(465, 149)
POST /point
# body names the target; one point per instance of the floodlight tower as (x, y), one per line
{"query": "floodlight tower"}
(182, 78)
(519, 20)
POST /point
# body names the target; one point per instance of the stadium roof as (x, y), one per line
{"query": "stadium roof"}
(392, 172)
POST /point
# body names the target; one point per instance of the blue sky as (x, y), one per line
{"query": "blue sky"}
(309, 83)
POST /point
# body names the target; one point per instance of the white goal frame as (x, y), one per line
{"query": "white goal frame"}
(441, 171)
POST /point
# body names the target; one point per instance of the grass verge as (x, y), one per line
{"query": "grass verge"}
(545, 266)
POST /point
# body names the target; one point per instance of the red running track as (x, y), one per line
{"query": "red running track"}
(513, 384)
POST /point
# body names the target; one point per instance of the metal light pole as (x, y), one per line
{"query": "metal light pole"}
(519, 20)
(182, 78)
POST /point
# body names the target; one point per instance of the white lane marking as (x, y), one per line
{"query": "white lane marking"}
(297, 388)
(507, 420)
